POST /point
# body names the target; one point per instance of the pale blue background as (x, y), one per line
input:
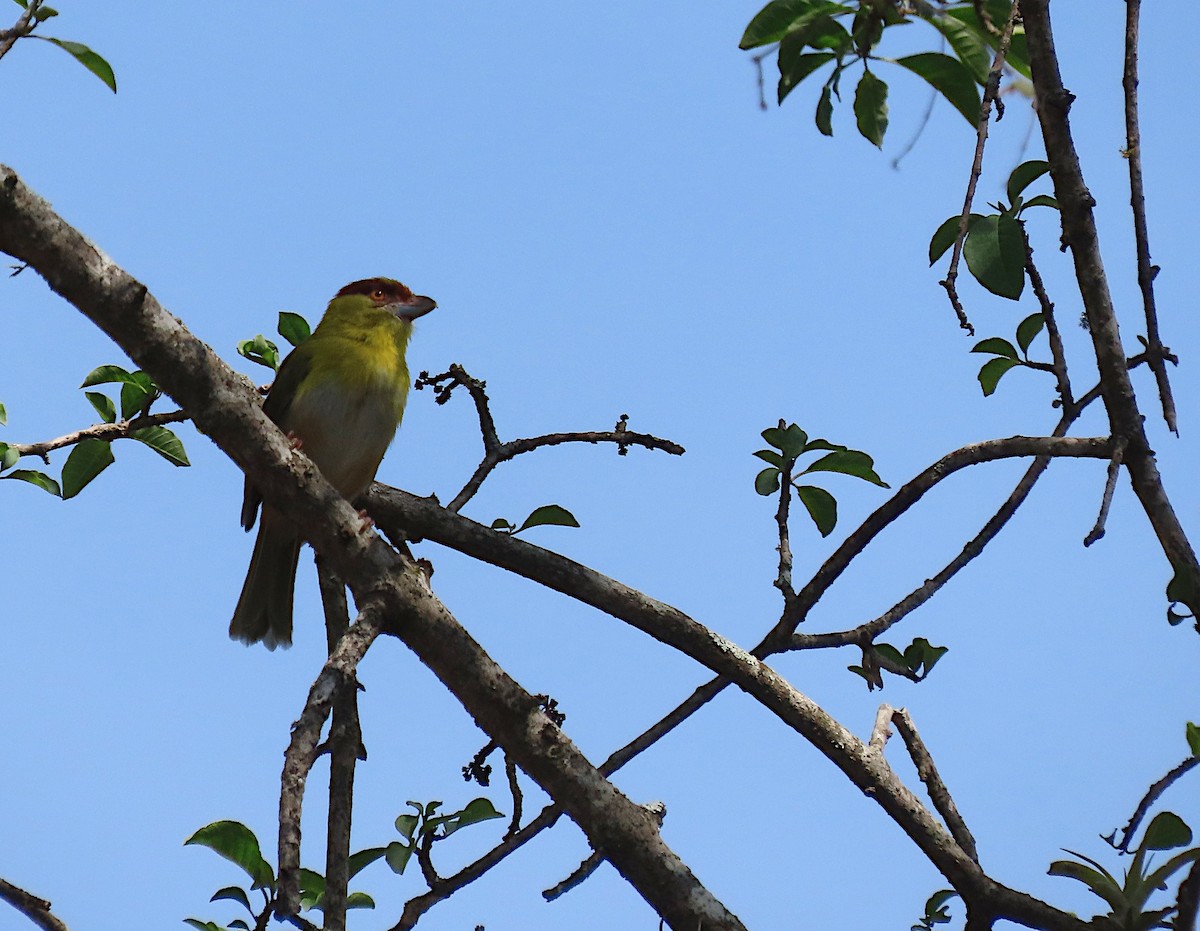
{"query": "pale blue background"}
(610, 225)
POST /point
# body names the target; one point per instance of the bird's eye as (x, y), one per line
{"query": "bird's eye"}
(377, 294)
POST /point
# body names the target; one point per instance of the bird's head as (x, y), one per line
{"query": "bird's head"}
(389, 295)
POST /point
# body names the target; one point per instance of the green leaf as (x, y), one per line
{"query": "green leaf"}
(824, 116)
(236, 843)
(362, 859)
(359, 900)
(203, 925)
(407, 824)
(995, 254)
(1166, 832)
(821, 505)
(260, 350)
(398, 855)
(87, 460)
(769, 455)
(163, 442)
(950, 78)
(312, 888)
(1193, 738)
(476, 810)
(549, 514)
(40, 479)
(1042, 200)
(992, 371)
(1018, 50)
(1100, 882)
(9, 457)
(234, 894)
(106, 375)
(86, 57)
(772, 22)
(944, 238)
(967, 44)
(848, 462)
(239, 924)
(996, 346)
(503, 525)
(893, 659)
(3, 416)
(929, 654)
(1024, 175)
(766, 483)
(791, 441)
(870, 108)
(103, 405)
(798, 68)
(1028, 329)
(137, 395)
(293, 327)
(44, 13)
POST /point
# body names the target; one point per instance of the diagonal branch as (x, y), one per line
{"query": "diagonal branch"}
(35, 909)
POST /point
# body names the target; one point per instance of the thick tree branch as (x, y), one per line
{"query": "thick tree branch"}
(1079, 233)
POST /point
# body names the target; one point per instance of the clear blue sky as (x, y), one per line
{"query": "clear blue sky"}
(610, 225)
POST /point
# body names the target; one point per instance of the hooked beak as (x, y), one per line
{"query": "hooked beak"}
(417, 306)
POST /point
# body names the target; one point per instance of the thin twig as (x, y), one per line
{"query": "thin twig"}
(35, 909)
(1137, 198)
(1110, 486)
(1188, 900)
(593, 861)
(783, 579)
(514, 788)
(938, 793)
(1152, 795)
(990, 94)
(122, 429)
(1057, 352)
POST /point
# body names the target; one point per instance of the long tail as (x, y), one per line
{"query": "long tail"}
(264, 610)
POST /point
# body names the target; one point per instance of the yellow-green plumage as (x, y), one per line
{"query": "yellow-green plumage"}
(341, 394)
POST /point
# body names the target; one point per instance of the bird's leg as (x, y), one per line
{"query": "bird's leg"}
(367, 522)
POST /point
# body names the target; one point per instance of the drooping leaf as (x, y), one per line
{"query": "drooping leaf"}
(824, 115)
(928, 653)
(9, 456)
(86, 57)
(991, 373)
(893, 659)
(33, 477)
(476, 810)
(1042, 200)
(1024, 175)
(944, 238)
(359, 900)
(1100, 882)
(1028, 329)
(236, 843)
(848, 462)
(407, 824)
(3, 416)
(967, 44)
(995, 254)
(103, 405)
(87, 460)
(798, 68)
(766, 483)
(163, 442)
(398, 855)
(996, 346)
(260, 350)
(870, 108)
(203, 925)
(137, 393)
(293, 327)
(1018, 50)
(773, 21)
(950, 78)
(769, 455)
(1166, 832)
(312, 888)
(821, 506)
(1193, 738)
(549, 514)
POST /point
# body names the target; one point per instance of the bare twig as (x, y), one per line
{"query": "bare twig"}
(938, 793)
(1057, 352)
(122, 429)
(1110, 486)
(991, 92)
(1152, 795)
(1137, 199)
(35, 909)
(783, 579)
(514, 788)
(496, 452)
(593, 861)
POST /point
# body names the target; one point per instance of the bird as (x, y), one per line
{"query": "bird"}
(340, 397)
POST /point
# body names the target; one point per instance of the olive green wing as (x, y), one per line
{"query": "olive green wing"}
(279, 399)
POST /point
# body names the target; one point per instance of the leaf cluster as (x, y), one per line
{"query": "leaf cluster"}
(94, 63)
(914, 663)
(292, 327)
(812, 34)
(421, 830)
